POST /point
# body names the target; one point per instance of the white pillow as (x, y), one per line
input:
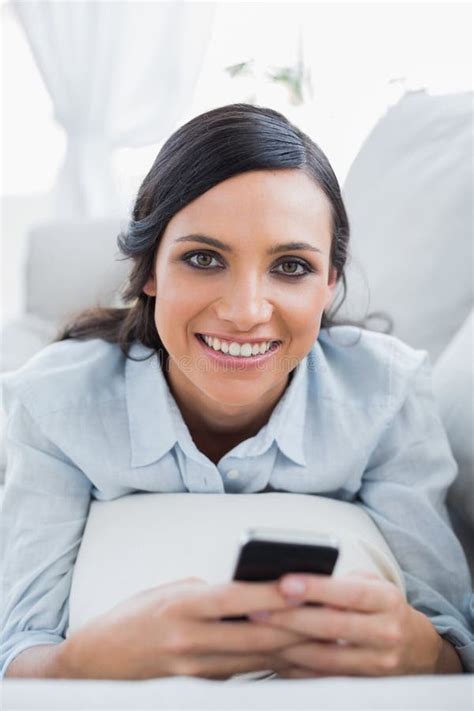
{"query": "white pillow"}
(86, 269)
(454, 386)
(143, 540)
(409, 198)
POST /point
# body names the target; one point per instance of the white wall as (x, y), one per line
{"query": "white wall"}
(362, 57)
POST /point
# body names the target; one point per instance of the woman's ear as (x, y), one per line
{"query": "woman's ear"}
(332, 283)
(150, 289)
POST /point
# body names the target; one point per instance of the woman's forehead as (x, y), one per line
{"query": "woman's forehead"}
(266, 204)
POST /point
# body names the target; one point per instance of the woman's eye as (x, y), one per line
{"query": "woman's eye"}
(203, 260)
(292, 268)
(294, 264)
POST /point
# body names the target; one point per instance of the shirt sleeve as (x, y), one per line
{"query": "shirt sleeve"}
(45, 507)
(404, 490)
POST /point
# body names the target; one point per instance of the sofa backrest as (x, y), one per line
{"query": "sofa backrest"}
(409, 199)
(73, 265)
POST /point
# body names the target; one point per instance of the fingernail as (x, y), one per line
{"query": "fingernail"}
(293, 586)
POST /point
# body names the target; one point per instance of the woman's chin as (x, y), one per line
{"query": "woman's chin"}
(234, 391)
(233, 396)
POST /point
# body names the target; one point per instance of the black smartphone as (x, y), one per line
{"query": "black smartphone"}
(269, 553)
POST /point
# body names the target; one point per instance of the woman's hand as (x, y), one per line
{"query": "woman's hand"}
(176, 629)
(363, 626)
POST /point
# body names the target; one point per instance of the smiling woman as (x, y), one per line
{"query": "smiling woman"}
(261, 205)
(224, 376)
(231, 142)
(241, 297)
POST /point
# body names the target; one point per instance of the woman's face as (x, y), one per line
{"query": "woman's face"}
(247, 288)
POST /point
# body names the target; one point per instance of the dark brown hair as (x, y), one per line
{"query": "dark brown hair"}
(210, 148)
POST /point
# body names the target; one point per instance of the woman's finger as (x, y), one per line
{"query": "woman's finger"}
(339, 659)
(231, 599)
(293, 672)
(332, 624)
(241, 637)
(349, 592)
(221, 666)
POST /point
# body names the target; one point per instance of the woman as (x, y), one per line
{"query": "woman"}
(238, 239)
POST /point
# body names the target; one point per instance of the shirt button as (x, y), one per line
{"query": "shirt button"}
(233, 474)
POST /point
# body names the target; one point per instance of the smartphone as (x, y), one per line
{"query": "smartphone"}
(269, 553)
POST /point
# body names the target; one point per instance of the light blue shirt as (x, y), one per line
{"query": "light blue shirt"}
(358, 422)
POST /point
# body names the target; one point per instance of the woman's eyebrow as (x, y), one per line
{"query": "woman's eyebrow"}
(282, 247)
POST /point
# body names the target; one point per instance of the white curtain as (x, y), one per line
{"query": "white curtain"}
(120, 74)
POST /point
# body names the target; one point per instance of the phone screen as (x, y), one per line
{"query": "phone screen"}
(267, 560)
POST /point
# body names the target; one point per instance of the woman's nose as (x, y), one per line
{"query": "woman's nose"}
(245, 304)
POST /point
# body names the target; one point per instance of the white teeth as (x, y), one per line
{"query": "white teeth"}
(244, 350)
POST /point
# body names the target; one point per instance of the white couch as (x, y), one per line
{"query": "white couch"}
(409, 200)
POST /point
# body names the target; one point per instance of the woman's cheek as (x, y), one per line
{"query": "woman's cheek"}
(306, 317)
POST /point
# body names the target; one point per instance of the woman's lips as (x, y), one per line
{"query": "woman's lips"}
(242, 362)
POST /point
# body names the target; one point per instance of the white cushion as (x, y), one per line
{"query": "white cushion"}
(143, 540)
(81, 263)
(409, 199)
(440, 692)
(454, 386)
